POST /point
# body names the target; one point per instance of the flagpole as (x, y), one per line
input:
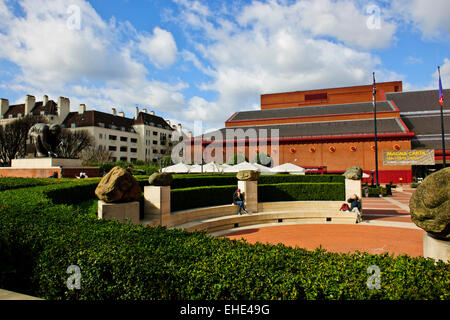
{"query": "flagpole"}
(375, 127)
(442, 123)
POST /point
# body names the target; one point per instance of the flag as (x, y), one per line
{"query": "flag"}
(441, 92)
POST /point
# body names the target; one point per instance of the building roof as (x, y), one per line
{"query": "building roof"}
(152, 120)
(107, 120)
(95, 118)
(327, 128)
(339, 109)
(51, 108)
(418, 100)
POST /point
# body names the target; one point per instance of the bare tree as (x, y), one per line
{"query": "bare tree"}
(96, 154)
(13, 138)
(73, 143)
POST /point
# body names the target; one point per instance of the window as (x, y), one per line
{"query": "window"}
(123, 159)
(100, 136)
(155, 133)
(316, 96)
(112, 148)
(155, 151)
(112, 137)
(133, 150)
(155, 142)
(123, 139)
(114, 159)
(133, 140)
(133, 159)
(123, 149)
(163, 151)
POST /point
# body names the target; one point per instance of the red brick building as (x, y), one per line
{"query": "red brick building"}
(333, 128)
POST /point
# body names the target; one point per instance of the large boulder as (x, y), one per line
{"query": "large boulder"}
(353, 173)
(247, 175)
(118, 185)
(430, 204)
(160, 179)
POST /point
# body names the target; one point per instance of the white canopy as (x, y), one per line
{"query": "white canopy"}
(288, 167)
(207, 168)
(247, 166)
(263, 169)
(365, 175)
(177, 168)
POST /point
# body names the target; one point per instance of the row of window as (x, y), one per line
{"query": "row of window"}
(132, 150)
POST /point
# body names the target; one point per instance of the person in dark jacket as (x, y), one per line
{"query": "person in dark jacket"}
(355, 206)
(238, 199)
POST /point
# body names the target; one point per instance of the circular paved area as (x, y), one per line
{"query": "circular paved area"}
(339, 238)
(387, 228)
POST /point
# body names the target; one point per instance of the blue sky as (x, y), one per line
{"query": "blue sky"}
(204, 60)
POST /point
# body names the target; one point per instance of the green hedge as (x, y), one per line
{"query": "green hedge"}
(193, 180)
(40, 239)
(17, 183)
(301, 192)
(189, 198)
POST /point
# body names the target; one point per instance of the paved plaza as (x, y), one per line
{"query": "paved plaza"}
(387, 227)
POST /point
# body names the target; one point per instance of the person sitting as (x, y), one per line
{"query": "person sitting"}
(355, 206)
(238, 199)
(344, 208)
(82, 175)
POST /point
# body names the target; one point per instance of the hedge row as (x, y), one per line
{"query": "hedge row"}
(189, 198)
(121, 261)
(17, 183)
(301, 192)
(191, 180)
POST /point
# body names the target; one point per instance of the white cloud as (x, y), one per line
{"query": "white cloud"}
(430, 17)
(92, 63)
(160, 48)
(273, 47)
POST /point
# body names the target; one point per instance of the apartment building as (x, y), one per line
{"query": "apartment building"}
(145, 137)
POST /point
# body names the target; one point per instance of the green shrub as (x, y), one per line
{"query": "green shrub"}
(287, 178)
(17, 183)
(301, 192)
(377, 191)
(189, 198)
(40, 239)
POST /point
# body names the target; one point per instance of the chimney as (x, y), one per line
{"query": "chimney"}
(152, 113)
(44, 100)
(179, 127)
(63, 107)
(29, 104)
(113, 111)
(82, 109)
(168, 122)
(174, 127)
(4, 106)
(144, 110)
(121, 114)
(136, 113)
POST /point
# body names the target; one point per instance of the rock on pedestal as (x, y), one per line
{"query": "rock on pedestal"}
(119, 211)
(250, 190)
(435, 248)
(157, 203)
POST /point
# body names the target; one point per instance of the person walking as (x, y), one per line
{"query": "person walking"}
(238, 199)
(355, 206)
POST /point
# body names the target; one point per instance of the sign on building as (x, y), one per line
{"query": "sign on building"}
(409, 157)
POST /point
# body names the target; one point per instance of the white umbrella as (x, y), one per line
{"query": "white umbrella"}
(263, 169)
(241, 166)
(177, 168)
(365, 175)
(288, 167)
(207, 168)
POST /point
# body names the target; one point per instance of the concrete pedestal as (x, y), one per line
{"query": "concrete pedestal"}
(157, 203)
(119, 211)
(435, 248)
(353, 187)
(250, 191)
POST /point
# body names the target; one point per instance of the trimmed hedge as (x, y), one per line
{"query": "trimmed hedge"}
(17, 183)
(193, 180)
(189, 198)
(301, 192)
(125, 262)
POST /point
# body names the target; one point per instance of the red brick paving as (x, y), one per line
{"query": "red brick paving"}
(349, 238)
(339, 238)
